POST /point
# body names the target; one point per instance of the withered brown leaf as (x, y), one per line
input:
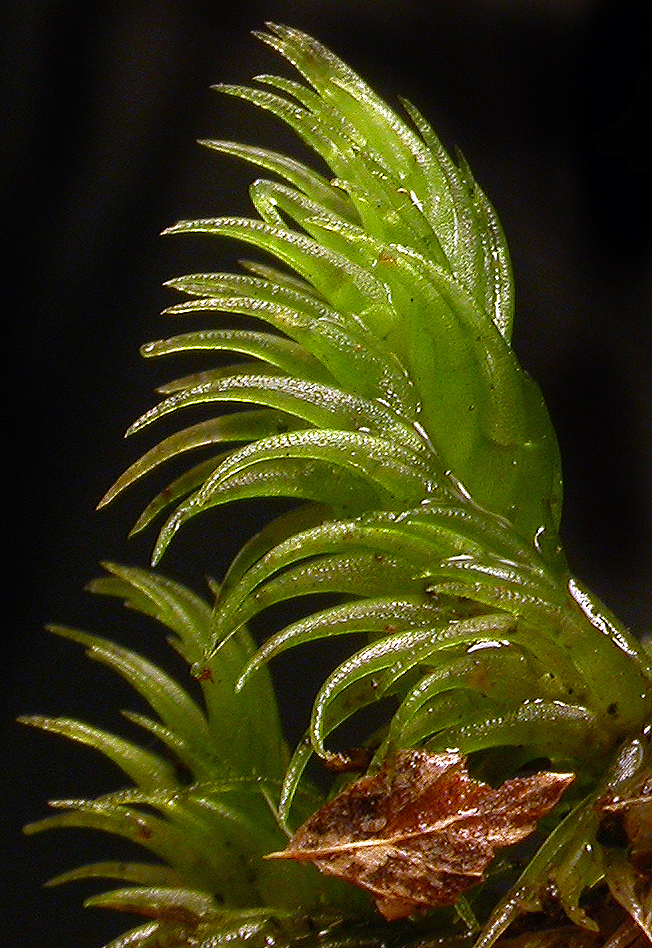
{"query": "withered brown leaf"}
(421, 831)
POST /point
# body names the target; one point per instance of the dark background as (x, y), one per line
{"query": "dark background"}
(103, 105)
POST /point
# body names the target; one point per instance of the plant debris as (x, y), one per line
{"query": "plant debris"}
(421, 831)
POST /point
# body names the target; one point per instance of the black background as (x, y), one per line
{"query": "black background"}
(547, 100)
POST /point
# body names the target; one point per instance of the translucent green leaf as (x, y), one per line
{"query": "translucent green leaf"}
(628, 886)
(151, 874)
(277, 351)
(309, 98)
(262, 282)
(171, 902)
(276, 202)
(301, 518)
(298, 174)
(376, 125)
(316, 404)
(486, 645)
(221, 373)
(346, 347)
(147, 830)
(513, 577)
(170, 603)
(476, 532)
(142, 766)
(318, 131)
(180, 487)
(240, 736)
(373, 662)
(280, 278)
(480, 668)
(175, 707)
(369, 616)
(499, 293)
(343, 283)
(554, 729)
(355, 575)
(198, 760)
(379, 534)
(393, 470)
(347, 492)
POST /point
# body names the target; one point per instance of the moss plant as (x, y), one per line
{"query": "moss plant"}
(372, 382)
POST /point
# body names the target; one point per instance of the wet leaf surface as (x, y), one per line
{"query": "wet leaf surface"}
(421, 831)
(628, 867)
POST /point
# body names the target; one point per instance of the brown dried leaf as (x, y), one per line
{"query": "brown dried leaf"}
(420, 832)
